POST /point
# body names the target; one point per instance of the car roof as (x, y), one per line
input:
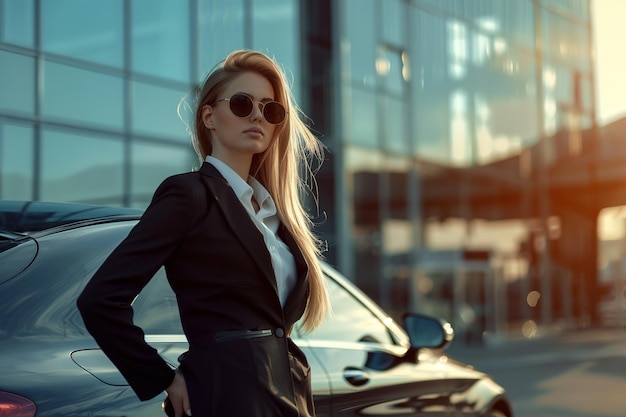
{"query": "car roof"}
(35, 216)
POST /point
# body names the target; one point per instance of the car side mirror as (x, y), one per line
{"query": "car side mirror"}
(427, 332)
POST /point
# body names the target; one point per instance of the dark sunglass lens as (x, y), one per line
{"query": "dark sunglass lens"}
(274, 112)
(241, 105)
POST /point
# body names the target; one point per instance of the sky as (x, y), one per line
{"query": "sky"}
(609, 20)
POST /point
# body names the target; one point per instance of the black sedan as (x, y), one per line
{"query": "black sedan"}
(362, 362)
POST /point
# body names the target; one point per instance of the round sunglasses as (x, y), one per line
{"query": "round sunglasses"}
(241, 105)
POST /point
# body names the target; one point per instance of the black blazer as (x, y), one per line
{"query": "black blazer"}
(241, 361)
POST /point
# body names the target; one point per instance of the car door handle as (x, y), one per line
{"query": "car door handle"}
(356, 376)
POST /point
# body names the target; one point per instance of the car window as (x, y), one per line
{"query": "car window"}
(350, 321)
(155, 308)
(16, 253)
(156, 312)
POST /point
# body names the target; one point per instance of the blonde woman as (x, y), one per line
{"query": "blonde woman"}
(239, 253)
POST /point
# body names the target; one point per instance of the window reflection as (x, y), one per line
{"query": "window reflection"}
(397, 74)
(17, 83)
(152, 163)
(460, 146)
(16, 162)
(395, 125)
(86, 30)
(155, 111)
(82, 96)
(160, 38)
(17, 22)
(431, 125)
(457, 49)
(221, 23)
(428, 62)
(473, 94)
(351, 321)
(393, 12)
(278, 19)
(363, 173)
(358, 41)
(92, 164)
(362, 120)
(156, 310)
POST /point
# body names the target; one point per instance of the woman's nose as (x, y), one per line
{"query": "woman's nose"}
(257, 112)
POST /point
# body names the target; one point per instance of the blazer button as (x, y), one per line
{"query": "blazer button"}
(279, 332)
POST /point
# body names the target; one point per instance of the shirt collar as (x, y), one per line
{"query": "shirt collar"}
(245, 190)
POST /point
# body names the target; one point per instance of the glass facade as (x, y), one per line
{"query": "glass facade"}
(88, 31)
(92, 91)
(418, 101)
(432, 95)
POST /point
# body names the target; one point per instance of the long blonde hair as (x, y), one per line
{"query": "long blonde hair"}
(284, 168)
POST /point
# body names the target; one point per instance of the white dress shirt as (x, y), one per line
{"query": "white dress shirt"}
(266, 220)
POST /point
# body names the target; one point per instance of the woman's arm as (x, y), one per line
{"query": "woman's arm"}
(105, 303)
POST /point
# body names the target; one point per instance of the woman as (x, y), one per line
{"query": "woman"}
(238, 251)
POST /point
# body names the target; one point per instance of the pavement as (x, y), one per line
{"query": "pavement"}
(546, 344)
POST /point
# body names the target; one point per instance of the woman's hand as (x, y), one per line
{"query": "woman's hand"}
(177, 393)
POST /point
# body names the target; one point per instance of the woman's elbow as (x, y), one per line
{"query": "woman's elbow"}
(87, 302)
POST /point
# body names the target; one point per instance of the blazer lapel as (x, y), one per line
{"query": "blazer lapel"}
(239, 220)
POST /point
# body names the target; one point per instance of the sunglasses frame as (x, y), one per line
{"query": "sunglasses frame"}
(262, 103)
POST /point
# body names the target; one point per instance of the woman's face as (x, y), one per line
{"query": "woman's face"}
(236, 139)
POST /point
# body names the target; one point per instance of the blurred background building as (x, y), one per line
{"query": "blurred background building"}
(466, 168)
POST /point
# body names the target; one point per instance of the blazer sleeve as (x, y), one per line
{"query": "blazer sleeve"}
(105, 303)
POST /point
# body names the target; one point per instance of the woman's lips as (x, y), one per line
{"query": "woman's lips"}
(254, 132)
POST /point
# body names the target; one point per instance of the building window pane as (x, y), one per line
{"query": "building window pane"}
(155, 111)
(16, 162)
(564, 41)
(160, 38)
(430, 124)
(17, 83)
(222, 29)
(504, 106)
(358, 42)
(363, 168)
(152, 163)
(392, 66)
(362, 121)
(278, 19)
(17, 22)
(516, 19)
(395, 126)
(393, 18)
(87, 30)
(83, 96)
(91, 164)
(459, 133)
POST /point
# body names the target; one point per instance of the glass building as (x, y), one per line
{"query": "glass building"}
(92, 90)
(434, 113)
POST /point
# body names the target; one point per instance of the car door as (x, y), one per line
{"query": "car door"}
(362, 356)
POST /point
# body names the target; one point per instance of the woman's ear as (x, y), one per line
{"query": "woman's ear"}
(207, 116)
